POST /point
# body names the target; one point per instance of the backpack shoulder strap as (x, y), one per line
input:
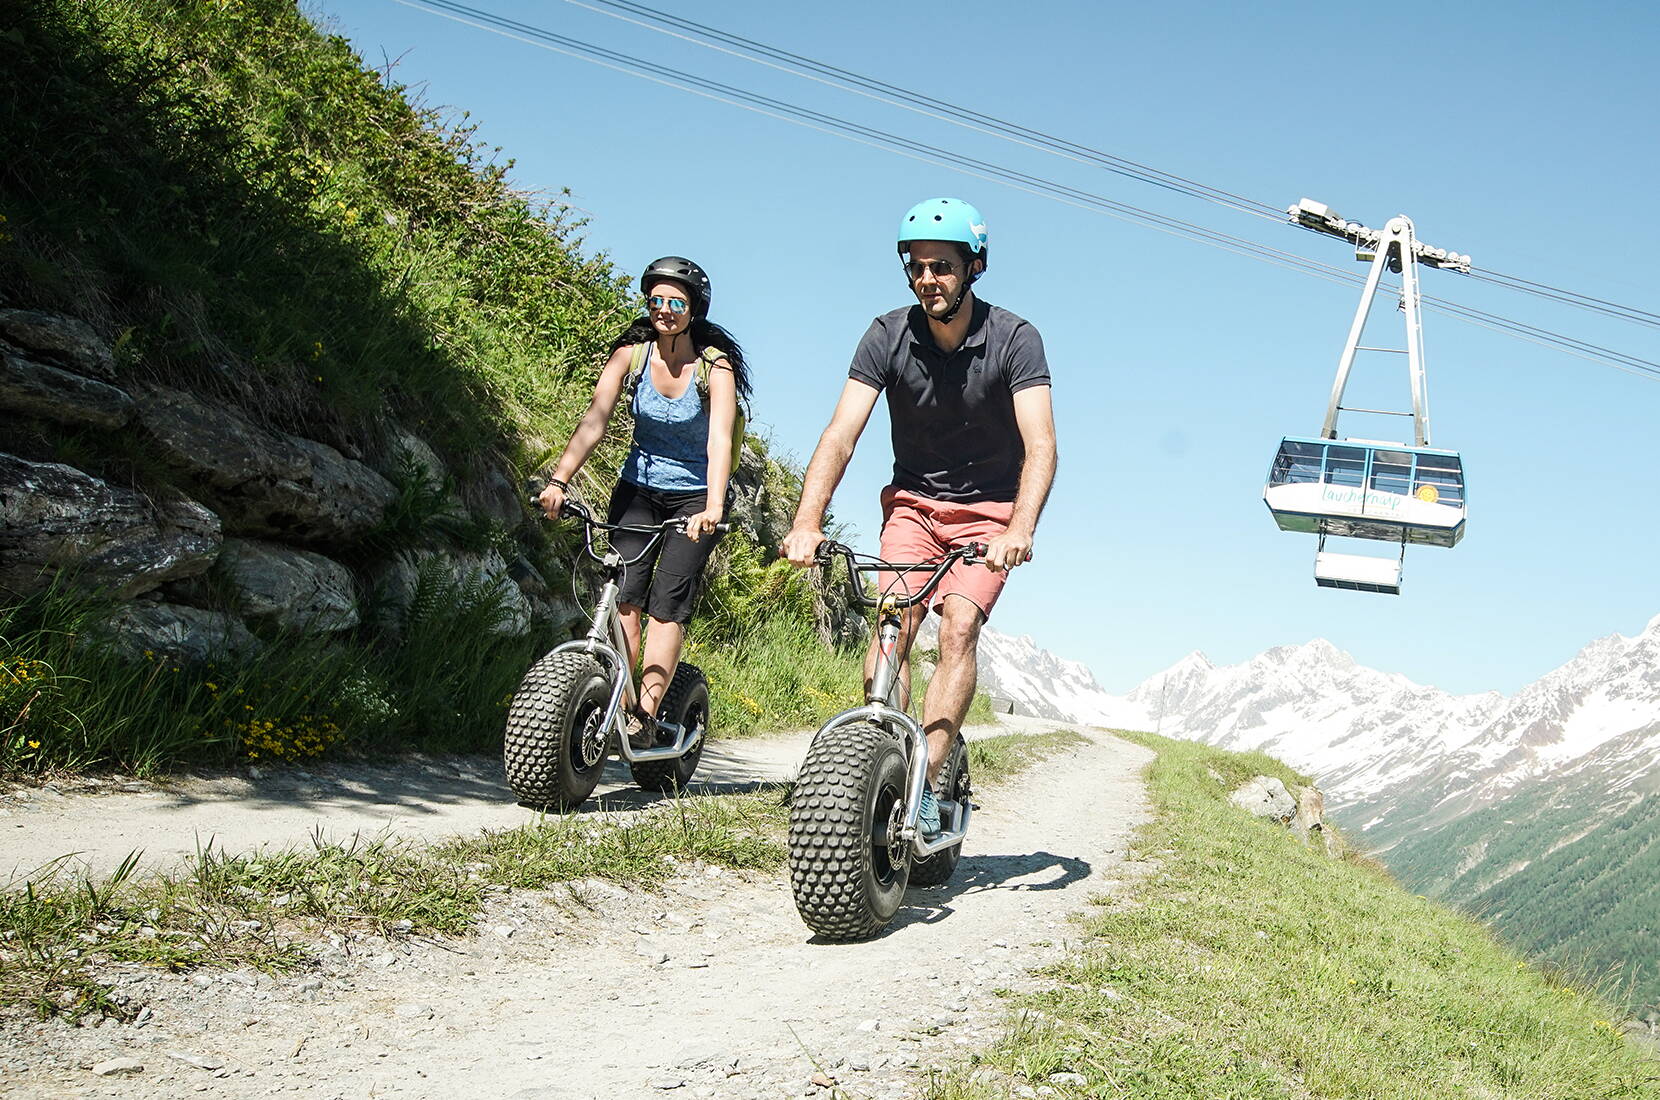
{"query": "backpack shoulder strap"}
(638, 360)
(705, 364)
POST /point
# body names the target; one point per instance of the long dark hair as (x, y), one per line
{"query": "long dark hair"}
(704, 333)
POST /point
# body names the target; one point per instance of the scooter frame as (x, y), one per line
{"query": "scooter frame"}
(883, 705)
(608, 645)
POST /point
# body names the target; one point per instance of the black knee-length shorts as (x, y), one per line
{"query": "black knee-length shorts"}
(666, 584)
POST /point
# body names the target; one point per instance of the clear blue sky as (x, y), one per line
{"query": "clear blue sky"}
(1522, 134)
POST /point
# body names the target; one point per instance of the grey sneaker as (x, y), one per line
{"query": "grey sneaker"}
(929, 822)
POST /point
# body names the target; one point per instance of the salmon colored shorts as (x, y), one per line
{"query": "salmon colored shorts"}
(916, 529)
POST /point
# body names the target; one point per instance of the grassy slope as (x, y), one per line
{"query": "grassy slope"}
(1587, 902)
(1248, 966)
(254, 214)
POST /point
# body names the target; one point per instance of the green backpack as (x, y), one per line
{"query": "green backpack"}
(641, 358)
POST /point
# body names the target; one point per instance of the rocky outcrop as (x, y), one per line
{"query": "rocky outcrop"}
(54, 517)
(264, 482)
(245, 525)
(288, 588)
(1302, 809)
(180, 633)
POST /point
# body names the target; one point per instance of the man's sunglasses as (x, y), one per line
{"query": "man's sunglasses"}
(918, 268)
(676, 305)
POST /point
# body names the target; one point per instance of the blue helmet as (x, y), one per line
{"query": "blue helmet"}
(944, 220)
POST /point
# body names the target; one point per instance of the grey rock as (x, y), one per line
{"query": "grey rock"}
(410, 452)
(1077, 1080)
(289, 588)
(55, 517)
(35, 389)
(495, 497)
(180, 633)
(525, 575)
(261, 481)
(118, 1067)
(396, 582)
(65, 340)
(1266, 796)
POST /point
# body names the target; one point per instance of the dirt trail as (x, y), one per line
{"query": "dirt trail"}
(712, 988)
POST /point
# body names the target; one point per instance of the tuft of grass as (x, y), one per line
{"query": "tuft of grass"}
(264, 910)
(737, 831)
(778, 675)
(71, 700)
(993, 759)
(1246, 965)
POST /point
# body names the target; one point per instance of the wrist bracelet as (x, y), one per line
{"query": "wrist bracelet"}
(555, 481)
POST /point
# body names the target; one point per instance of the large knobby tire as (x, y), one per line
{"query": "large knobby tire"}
(554, 749)
(848, 873)
(686, 702)
(952, 783)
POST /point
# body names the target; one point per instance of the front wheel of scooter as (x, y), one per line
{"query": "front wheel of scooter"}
(554, 747)
(848, 866)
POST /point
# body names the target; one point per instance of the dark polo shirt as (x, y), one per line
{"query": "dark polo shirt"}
(954, 431)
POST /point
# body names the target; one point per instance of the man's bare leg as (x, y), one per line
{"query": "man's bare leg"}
(951, 691)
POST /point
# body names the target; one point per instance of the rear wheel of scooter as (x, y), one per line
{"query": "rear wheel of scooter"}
(847, 865)
(686, 704)
(554, 748)
(938, 868)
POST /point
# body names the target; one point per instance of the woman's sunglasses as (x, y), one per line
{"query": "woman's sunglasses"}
(941, 268)
(676, 305)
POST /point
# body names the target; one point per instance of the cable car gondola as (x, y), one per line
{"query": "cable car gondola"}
(1365, 488)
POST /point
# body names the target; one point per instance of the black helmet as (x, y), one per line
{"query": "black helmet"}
(683, 271)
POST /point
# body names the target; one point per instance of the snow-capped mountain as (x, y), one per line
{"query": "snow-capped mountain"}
(1394, 754)
(1038, 682)
(1354, 728)
(1016, 670)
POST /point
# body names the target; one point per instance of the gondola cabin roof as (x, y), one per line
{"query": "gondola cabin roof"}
(1367, 489)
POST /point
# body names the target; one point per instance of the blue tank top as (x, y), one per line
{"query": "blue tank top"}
(670, 451)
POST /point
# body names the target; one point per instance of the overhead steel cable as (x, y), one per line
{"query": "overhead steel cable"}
(772, 57)
(1579, 301)
(1037, 185)
(783, 60)
(867, 135)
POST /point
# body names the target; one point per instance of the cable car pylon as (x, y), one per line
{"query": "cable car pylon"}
(1367, 488)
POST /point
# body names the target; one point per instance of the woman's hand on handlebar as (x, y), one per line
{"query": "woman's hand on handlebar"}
(551, 500)
(801, 545)
(702, 523)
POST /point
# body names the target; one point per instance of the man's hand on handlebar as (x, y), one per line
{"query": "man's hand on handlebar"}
(801, 546)
(1008, 550)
